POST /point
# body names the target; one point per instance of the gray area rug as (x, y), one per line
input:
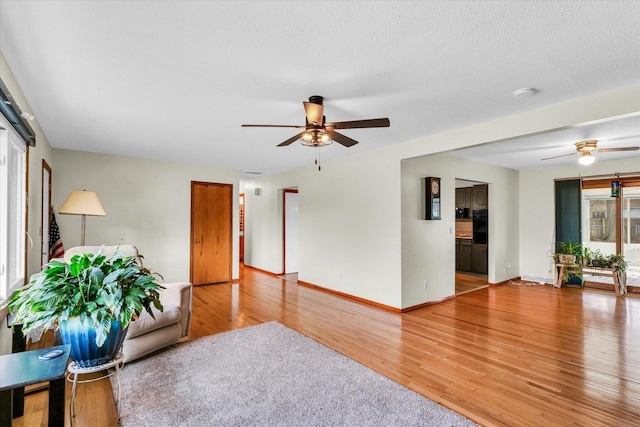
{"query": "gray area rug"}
(267, 375)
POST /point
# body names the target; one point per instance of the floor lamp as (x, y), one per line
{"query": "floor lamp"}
(83, 202)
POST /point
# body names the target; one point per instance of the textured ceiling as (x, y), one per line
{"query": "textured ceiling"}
(175, 80)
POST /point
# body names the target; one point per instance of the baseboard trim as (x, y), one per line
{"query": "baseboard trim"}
(351, 297)
(427, 304)
(263, 271)
(506, 282)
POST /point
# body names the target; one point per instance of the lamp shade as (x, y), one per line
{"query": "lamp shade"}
(82, 202)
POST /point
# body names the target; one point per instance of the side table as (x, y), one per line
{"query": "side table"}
(75, 371)
(26, 368)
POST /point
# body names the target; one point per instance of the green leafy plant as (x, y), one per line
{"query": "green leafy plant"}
(92, 287)
(598, 259)
(617, 262)
(586, 256)
(574, 250)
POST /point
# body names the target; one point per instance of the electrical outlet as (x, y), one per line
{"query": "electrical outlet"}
(426, 284)
(508, 268)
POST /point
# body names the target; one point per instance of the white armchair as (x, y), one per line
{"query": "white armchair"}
(146, 334)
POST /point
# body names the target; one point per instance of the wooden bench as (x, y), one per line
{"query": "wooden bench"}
(619, 277)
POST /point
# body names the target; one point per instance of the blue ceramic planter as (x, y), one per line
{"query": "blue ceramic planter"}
(82, 338)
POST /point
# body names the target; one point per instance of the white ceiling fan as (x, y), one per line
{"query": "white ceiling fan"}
(587, 148)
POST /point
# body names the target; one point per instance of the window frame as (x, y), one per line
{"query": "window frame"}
(13, 210)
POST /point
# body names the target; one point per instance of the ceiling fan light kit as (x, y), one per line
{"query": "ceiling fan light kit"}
(586, 159)
(587, 148)
(318, 133)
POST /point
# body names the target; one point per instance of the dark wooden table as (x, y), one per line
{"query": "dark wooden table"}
(26, 368)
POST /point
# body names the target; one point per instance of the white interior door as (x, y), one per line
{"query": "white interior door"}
(291, 232)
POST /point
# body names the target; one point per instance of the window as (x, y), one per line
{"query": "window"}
(602, 220)
(631, 218)
(12, 210)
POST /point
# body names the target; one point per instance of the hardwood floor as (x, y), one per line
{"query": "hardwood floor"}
(507, 355)
(467, 282)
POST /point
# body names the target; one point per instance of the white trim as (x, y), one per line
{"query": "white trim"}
(13, 194)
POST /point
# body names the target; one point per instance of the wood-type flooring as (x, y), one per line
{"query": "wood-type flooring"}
(507, 355)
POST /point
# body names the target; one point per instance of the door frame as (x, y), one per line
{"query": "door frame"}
(191, 248)
(284, 226)
(46, 189)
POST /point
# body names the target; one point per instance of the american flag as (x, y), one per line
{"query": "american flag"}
(56, 249)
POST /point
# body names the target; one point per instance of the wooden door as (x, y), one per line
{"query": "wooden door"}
(211, 232)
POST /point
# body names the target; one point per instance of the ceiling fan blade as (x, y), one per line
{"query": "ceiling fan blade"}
(274, 126)
(606, 150)
(314, 113)
(358, 124)
(562, 155)
(342, 139)
(291, 140)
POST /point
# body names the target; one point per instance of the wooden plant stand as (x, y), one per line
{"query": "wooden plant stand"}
(619, 277)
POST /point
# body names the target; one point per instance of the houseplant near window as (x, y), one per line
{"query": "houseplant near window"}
(92, 299)
(568, 252)
(570, 255)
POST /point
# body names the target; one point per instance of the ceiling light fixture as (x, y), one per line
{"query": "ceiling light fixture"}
(525, 92)
(586, 159)
(316, 138)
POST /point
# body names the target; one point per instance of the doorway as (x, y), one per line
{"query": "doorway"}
(241, 220)
(211, 232)
(472, 235)
(290, 231)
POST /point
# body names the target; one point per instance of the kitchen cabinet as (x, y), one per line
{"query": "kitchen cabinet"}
(479, 259)
(464, 254)
(479, 197)
(461, 198)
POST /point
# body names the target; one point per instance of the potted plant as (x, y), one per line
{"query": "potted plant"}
(570, 255)
(567, 252)
(92, 299)
(617, 262)
(598, 259)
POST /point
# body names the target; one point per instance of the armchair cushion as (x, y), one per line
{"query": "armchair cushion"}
(145, 323)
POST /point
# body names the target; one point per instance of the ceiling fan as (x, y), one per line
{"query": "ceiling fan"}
(586, 148)
(318, 133)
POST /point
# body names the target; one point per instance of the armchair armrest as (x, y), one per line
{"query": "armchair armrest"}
(179, 295)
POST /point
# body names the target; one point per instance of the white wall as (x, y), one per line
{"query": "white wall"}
(148, 204)
(338, 207)
(537, 211)
(428, 247)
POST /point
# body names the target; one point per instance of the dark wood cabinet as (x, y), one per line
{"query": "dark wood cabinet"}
(464, 258)
(479, 197)
(461, 198)
(464, 199)
(479, 259)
